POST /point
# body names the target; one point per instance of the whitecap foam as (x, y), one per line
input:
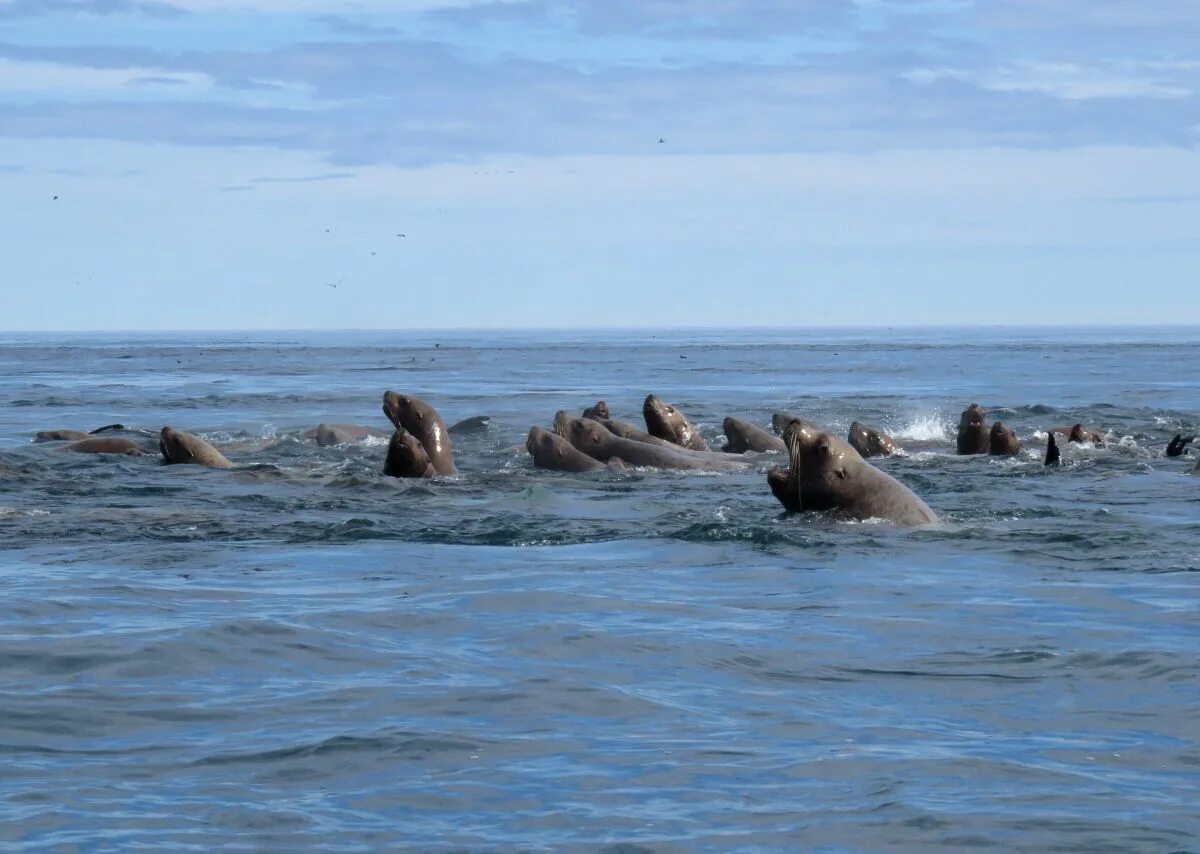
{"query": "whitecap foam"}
(925, 428)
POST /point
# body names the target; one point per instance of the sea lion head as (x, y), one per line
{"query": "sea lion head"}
(406, 456)
(974, 417)
(588, 436)
(172, 446)
(598, 411)
(562, 423)
(401, 410)
(660, 417)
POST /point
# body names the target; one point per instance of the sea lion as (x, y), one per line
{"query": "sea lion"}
(60, 436)
(178, 447)
(598, 411)
(597, 442)
(1177, 447)
(827, 474)
(406, 457)
(422, 420)
(74, 435)
(474, 424)
(1080, 434)
(628, 431)
(342, 434)
(742, 436)
(870, 442)
(552, 451)
(1002, 441)
(667, 422)
(1053, 456)
(973, 431)
(106, 445)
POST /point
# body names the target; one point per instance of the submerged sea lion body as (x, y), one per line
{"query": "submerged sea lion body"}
(972, 431)
(870, 442)
(422, 420)
(474, 424)
(106, 445)
(60, 436)
(597, 442)
(179, 447)
(551, 451)
(742, 436)
(406, 457)
(1002, 441)
(827, 474)
(74, 435)
(327, 435)
(666, 422)
(1177, 447)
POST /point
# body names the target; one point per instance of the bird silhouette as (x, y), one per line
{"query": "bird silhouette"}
(335, 284)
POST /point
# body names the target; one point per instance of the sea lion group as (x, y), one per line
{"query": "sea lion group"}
(824, 472)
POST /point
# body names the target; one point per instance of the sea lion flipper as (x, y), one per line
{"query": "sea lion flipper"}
(1052, 453)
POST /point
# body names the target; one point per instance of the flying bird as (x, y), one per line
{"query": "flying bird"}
(335, 284)
(55, 199)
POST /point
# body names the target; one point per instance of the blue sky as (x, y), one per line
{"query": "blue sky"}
(219, 163)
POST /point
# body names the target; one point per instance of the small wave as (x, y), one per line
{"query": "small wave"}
(925, 428)
(8, 512)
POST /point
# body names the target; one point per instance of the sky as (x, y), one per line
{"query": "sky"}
(392, 164)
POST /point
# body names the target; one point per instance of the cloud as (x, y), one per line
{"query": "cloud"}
(305, 179)
(715, 19)
(25, 76)
(14, 9)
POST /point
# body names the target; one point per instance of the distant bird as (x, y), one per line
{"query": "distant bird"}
(402, 235)
(327, 231)
(55, 199)
(335, 284)
(372, 253)
(661, 140)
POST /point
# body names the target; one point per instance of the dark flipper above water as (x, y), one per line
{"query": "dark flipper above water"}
(1052, 453)
(474, 424)
(1177, 447)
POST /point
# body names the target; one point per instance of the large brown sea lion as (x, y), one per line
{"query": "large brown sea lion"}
(972, 431)
(422, 420)
(667, 422)
(827, 474)
(597, 442)
(406, 457)
(178, 447)
(551, 451)
(1002, 441)
(870, 442)
(742, 436)
(106, 445)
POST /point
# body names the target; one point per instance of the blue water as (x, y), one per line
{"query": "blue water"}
(300, 652)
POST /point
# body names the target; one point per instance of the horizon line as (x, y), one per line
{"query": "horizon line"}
(701, 328)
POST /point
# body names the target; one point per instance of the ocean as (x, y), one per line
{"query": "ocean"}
(302, 653)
